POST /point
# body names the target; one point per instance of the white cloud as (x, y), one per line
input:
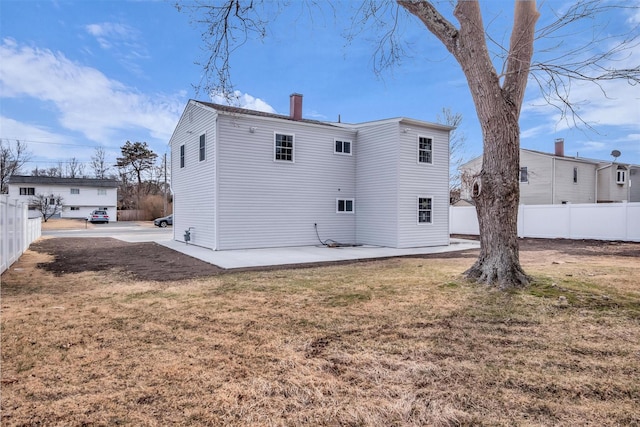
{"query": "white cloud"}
(85, 99)
(122, 41)
(243, 100)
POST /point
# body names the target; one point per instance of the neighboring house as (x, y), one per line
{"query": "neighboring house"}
(80, 195)
(248, 179)
(549, 179)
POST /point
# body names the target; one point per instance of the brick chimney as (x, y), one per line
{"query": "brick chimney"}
(295, 106)
(560, 147)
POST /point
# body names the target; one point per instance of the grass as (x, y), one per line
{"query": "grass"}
(402, 342)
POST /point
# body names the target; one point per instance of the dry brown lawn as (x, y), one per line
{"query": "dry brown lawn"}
(400, 342)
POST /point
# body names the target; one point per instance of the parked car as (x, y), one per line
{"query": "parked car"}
(98, 217)
(164, 221)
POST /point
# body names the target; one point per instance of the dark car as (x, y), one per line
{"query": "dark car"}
(164, 221)
(98, 217)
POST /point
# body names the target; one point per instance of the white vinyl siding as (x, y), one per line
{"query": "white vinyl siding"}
(377, 184)
(262, 203)
(414, 181)
(194, 185)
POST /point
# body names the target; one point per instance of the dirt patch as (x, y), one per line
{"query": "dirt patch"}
(144, 261)
(151, 261)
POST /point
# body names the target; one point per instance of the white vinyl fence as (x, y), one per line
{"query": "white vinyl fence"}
(611, 221)
(17, 230)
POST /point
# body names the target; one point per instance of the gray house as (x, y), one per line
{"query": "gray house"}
(553, 178)
(247, 179)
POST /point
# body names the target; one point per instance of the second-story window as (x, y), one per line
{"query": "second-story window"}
(575, 175)
(524, 174)
(425, 150)
(342, 147)
(203, 145)
(182, 156)
(283, 149)
(75, 191)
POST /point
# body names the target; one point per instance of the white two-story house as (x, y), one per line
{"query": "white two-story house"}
(247, 179)
(553, 178)
(79, 196)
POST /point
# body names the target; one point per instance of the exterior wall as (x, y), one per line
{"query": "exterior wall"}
(194, 186)
(423, 180)
(634, 184)
(269, 203)
(538, 189)
(86, 201)
(608, 189)
(565, 190)
(377, 185)
(550, 179)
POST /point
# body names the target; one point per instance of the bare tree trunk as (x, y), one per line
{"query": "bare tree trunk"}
(498, 106)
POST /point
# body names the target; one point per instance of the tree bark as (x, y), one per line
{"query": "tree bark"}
(498, 108)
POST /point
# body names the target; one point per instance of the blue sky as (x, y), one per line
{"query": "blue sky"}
(76, 75)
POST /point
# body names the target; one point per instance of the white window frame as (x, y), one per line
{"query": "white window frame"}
(430, 155)
(526, 174)
(342, 143)
(575, 174)
(102, 191)
(293, 147)
(345, 201)
(182, 156)
(74, 191)
(430, 210)
(27, 191)
(202, 147)
(621, 176)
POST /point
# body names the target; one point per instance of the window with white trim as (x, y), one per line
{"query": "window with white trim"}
(102, 191)
(344, 205)
(203, 145)
(425, 210)
(182, 156)
(524, 174)
(425, 150)
(342, 147)
(75, 191)
(283, 147)
(575, 175)
(27, 191)
(74, 208)
(621, 176)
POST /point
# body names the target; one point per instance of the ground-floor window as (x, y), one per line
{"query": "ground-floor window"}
(344, 205)
(425, 210)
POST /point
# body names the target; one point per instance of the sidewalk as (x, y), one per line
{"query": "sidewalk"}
(242, 258)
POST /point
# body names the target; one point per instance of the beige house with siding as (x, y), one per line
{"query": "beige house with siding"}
(549, 179)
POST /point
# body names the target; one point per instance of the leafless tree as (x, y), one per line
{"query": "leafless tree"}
(47, 205)
(99, 163)
(11, 160)
(74, 168)
(496, 74)
(457, 141)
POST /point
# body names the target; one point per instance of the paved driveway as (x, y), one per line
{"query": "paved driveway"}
(128, 231)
